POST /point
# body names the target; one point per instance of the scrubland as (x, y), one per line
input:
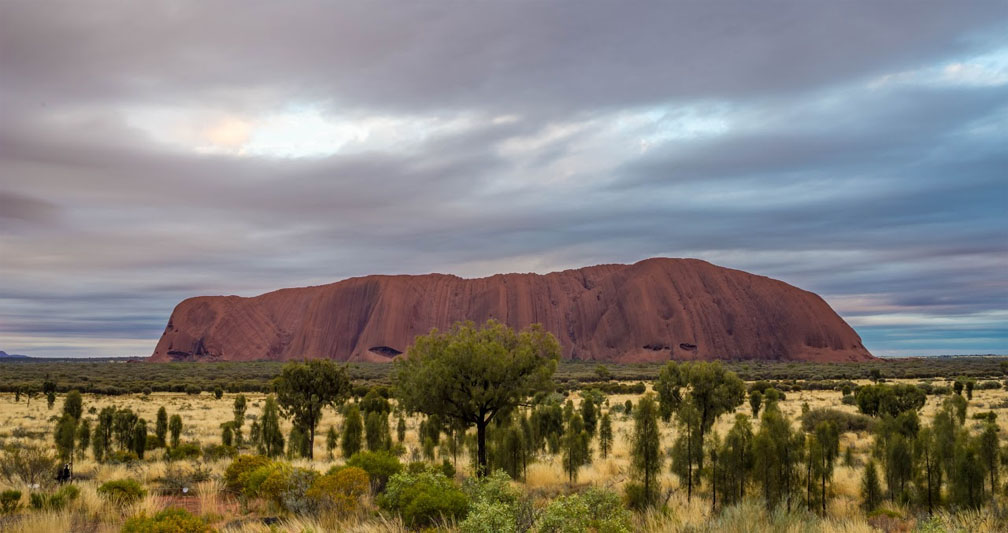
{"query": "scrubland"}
(24, 424)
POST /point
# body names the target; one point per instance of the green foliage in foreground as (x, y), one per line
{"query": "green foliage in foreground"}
(122, 492)
(170, 520)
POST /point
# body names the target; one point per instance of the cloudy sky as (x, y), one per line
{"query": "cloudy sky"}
(154, 151)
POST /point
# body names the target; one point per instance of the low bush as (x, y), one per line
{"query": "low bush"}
(54, 501)
(236, 474)
(593, 509)
(122, 491)
(339, 492)
(843, 420)
(184, 451)
(282, 485)
(10, 501)
(424, 499)
(380, 466)
(119, 457)
(27, 465)
(170, 520)
(637, 498)
(216, 452)
(495, 505)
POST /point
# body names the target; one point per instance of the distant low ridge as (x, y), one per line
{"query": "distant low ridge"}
(5, 355)
(653, 310)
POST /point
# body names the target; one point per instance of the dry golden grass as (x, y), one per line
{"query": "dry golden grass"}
(203, 414)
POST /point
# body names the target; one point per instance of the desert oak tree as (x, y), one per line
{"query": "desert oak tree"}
(472, 374)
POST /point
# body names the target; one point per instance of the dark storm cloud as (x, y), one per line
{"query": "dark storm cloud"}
(152, 152)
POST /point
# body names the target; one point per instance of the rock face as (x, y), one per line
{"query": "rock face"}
(654, 310)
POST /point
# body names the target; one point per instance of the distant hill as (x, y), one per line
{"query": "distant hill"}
(5, 355)
(654, 310)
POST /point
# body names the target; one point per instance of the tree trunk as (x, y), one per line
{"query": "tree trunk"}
(311, 442)
(481, 459)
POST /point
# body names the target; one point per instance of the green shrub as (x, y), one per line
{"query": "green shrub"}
(122, 491)
(487, 517)
(339, 492)
(495, 505)
(170, 520)
(637, 498)
(424, 499)
(380, 466)
(282, 485)
(184, 451)
(236, 474)
(494, 488)
(54, 501)
(215, 452)
(10, 501)
(122, 457)
(594, 509)
(843, 420)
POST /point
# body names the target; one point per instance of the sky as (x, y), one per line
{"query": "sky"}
(153, 151)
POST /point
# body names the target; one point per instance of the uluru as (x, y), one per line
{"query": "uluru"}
(654, 310)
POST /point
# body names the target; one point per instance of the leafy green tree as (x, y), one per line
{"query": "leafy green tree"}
(401, 429)
(645, 447)
(989, 453)
(969, 389)
(227, 434)
(473, 374)
(376, 431)
(374, 402)
(966, 485)
(736, 459)
(929, 473)
(240, 404)
(271, 440)
(687, 450)
(124, 424)
(878, 400)
(138, 442)
(175, 429)
(83, 437)
(755, 401)
(957, 386)
(218, 392)
(73, 404)
(161, 426)
(628, 408)
(332, 441)
(547, 426)
(871, 489)
(66, 431)
(575, 447)
(777, 453)
(353, 427)
(304, 389)
(708, 387)
(825, 447)
(605, 436)
(49, 389)
(589, 413)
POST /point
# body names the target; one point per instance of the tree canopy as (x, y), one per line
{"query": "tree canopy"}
(472, 374)
(304, 389)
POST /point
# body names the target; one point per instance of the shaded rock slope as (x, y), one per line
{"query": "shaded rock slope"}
(653, 310)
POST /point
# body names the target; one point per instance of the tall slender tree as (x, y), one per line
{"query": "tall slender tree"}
(645, 447)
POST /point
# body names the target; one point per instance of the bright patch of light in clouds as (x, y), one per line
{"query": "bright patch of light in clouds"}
(986, 70)
(300, 131)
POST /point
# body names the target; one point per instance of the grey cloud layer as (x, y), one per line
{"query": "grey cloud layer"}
(889, 199)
